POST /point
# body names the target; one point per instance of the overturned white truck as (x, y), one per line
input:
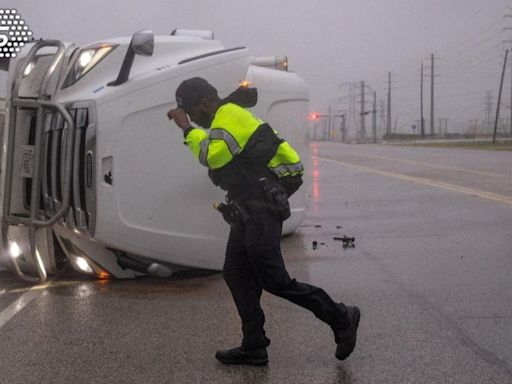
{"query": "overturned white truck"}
(93, 173)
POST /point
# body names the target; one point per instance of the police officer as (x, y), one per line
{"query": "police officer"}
(259, 171)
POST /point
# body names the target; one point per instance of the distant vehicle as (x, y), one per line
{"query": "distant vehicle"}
(94, 174)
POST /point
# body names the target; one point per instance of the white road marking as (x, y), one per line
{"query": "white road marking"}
(20, 303)
(41, 287)
(444, 167)
(421, 180)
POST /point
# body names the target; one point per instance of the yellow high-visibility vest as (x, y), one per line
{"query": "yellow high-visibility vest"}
(231, 130)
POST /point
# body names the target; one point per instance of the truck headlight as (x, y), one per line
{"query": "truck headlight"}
(14, 249)
(87, 59)
(83, 265)
(29, 68)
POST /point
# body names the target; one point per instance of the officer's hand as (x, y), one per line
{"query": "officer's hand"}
(180, 117)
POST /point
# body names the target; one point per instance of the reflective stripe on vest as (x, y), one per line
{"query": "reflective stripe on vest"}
(203, 152)
(288, 169)
(286, 161)
(222, 134)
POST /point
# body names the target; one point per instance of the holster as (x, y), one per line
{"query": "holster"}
(234, 213)
(276, 197)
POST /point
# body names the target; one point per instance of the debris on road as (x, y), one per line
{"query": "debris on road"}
(348, 242)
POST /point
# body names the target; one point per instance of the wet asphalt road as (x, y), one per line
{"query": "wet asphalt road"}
(431, 271)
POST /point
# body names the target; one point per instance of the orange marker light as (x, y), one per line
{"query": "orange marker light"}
(245, 83)
(103, 275)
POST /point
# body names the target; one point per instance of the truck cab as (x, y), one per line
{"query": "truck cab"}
(95, 175)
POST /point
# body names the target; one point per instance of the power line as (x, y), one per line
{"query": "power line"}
(458, 46)
(471, 38)
(456, 50)
(442, 81)
(474, 54)
(453, 69)
(455, 95)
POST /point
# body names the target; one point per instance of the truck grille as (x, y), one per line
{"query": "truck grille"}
(82, 212)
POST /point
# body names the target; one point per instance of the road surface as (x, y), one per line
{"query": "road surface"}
(431, 271)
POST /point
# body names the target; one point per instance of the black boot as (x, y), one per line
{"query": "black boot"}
(345, 336)
(241, 356)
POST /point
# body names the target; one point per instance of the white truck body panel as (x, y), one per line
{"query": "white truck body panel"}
(147, 198)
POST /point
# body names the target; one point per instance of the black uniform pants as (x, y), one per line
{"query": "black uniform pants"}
(254, 262)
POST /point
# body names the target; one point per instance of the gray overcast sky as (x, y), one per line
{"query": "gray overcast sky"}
(328, 42)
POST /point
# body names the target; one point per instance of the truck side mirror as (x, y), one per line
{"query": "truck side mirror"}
(142, 43)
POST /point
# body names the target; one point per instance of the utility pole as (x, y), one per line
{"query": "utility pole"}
(388, 122)
(329, 129)
(422, 119)
(363, 114)
(472, 127)
(488, 109)
(443, 126)
(351, 120)
(432, 94)
(508, 42)
(499, 98)
(343, 127)
(511, 96)
(382, 113)
(345, 103)
(374, 116)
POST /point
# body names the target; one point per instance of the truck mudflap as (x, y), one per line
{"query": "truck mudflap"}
(32, 225)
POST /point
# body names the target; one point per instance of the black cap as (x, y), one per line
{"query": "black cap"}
(191, 91)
